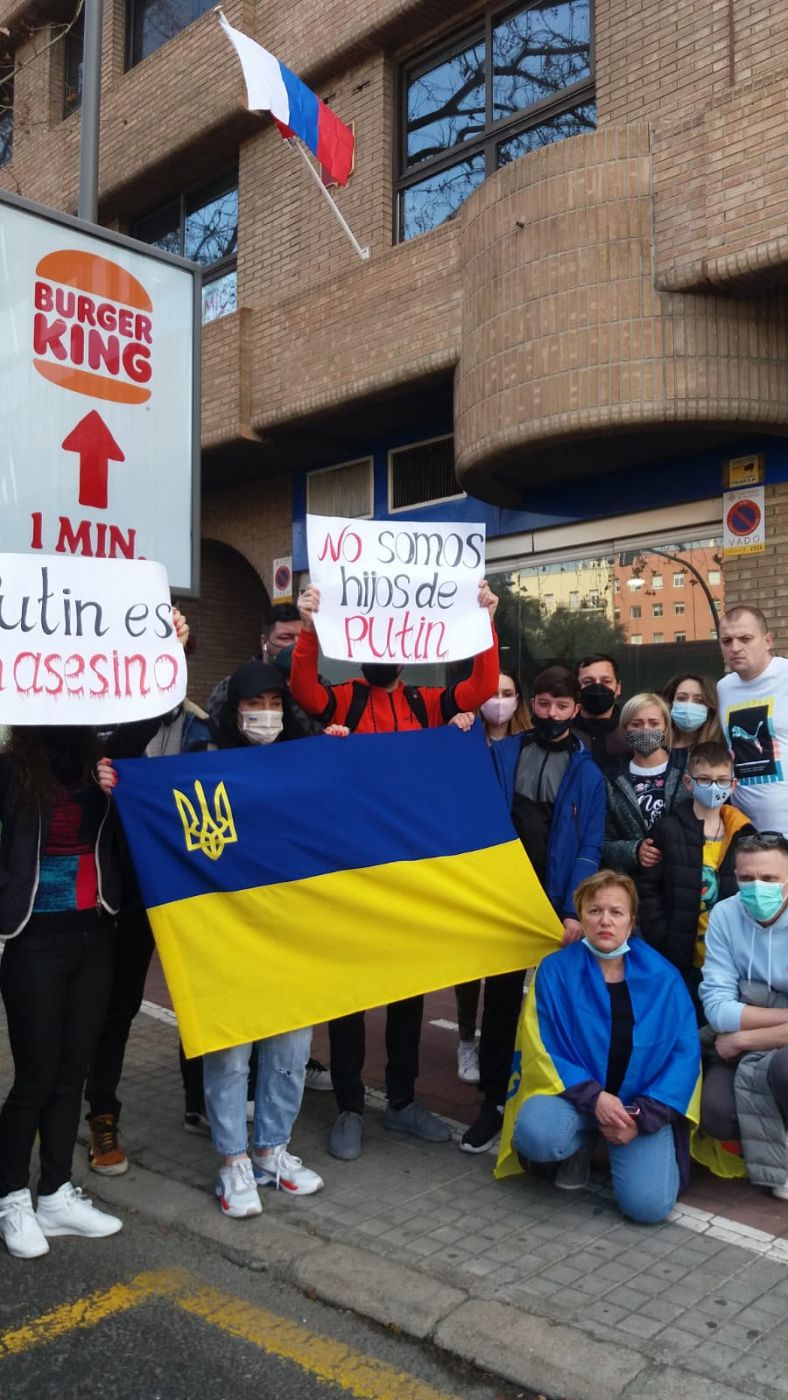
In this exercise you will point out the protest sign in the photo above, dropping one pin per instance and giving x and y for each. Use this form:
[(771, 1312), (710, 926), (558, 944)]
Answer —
[(399, 591), (86, 641)]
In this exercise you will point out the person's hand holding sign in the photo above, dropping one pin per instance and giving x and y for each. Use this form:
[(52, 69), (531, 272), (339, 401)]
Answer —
[(487, 599), (308, 605)]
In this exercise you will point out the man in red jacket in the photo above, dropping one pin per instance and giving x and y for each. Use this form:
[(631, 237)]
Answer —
[(381, 704)]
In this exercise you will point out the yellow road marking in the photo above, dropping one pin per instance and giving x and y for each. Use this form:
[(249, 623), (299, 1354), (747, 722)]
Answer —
[(86, 1312), (328, 1360)]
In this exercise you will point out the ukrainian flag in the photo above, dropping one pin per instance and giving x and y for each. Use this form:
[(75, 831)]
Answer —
[(292, 884), (563, 1038)]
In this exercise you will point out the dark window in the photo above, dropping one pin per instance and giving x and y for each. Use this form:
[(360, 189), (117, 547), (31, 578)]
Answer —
[(152, 22), (201, 224), (72, 65), (422, 473), (521, 78), (6, 112)]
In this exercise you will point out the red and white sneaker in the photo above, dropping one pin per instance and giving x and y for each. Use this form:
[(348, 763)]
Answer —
[(237, 1190), (277, 1167)]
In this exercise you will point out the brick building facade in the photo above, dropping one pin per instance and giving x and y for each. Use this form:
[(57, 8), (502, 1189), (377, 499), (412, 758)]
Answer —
[(589, 335)]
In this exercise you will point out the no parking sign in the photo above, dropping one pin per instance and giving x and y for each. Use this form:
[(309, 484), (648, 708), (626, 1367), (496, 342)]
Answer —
[(743, 522)]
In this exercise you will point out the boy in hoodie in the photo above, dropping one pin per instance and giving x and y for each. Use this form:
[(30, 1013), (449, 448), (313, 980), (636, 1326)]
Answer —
[(697, 842), (745, 996), (556, 795)]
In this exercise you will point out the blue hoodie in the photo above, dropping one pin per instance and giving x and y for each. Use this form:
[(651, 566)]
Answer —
[(737, 950), (577, 828)]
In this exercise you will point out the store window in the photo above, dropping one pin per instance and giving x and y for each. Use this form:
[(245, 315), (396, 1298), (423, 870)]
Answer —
[(520, 78), (583, 613), (203, 225), (152, 23), (345, 490), (6, 113), (73, 46)]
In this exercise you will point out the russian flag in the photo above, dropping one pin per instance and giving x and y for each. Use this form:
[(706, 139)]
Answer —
[(297, 111)]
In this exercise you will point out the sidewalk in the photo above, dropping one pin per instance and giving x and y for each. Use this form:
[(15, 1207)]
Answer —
[(555, 1292)]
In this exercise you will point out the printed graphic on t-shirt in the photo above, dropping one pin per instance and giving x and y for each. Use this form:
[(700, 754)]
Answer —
[(709, 888), (650, 794), (756, 751)]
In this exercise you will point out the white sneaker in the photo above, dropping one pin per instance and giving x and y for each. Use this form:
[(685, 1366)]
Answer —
[(69, 1212), (781, 1192), (317, 1076), (237, 1190), (277, 1167), (19, 1228), (468, 1062)]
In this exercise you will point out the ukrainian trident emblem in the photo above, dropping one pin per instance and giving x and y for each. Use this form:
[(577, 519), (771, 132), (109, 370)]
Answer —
[(205, 831)]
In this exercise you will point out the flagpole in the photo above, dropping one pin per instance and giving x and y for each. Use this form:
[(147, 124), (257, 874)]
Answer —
[(295, 144)]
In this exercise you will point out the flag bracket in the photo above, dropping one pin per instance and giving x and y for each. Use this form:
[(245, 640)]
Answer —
[(295, 145)]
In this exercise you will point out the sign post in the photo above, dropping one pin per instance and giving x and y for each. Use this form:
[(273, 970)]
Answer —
[(99, 415)]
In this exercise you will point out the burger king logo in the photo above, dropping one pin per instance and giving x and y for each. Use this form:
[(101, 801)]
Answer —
[(92, 327)]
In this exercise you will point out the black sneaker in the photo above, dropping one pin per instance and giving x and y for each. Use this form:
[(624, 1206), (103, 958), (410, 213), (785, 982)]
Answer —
[(482, 1134)]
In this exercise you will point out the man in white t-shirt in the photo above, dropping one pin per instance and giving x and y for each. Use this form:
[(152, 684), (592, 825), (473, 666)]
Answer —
[(753, 702)]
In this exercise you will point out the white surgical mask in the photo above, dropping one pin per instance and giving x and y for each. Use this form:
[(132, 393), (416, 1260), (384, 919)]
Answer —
[(261, 726)]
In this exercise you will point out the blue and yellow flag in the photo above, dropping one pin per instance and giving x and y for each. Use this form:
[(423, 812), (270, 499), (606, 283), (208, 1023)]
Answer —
[(563, 1038), (292, 884)]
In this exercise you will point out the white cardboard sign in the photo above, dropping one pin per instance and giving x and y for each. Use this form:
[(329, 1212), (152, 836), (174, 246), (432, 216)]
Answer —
[(86, 641), (400, 591)]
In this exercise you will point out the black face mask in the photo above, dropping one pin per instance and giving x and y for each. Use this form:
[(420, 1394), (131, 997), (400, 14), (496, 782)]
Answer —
[(550, 729), (597, 699), (380, 675)]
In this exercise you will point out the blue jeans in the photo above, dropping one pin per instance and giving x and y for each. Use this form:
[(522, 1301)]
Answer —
[(645, 1173), (278, 1092)]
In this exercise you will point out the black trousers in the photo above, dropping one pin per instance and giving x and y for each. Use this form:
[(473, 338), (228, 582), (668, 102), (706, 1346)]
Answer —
[(718, 1102), (503, 996), (134, 952), (55, 981), (347, 1038), (467, 994)]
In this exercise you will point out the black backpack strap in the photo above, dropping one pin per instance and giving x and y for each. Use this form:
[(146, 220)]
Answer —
[(449, 706), (357, 706), (326, 715), (417, 704)]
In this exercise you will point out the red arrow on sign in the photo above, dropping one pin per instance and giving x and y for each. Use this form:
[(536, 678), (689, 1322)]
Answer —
[(96, 446)]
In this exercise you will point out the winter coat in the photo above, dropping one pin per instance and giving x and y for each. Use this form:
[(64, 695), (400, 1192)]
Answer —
[(577, 826), (605, 739), (670, 893), (761, 1128), (626, 827)]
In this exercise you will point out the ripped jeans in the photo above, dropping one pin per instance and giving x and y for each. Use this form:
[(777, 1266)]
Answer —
[(280, 1087)]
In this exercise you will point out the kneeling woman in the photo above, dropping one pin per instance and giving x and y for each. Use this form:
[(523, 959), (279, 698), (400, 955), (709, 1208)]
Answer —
[(610, 1046)]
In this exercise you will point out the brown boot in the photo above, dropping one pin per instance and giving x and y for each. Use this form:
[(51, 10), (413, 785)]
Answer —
[(105, 1154)]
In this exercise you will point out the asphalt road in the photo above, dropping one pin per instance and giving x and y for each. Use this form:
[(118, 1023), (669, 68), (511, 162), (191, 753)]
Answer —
[(148, 1315)]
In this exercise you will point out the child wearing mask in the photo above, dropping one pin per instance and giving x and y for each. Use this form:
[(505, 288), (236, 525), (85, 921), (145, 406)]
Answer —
[(556, 795), (698, 843)]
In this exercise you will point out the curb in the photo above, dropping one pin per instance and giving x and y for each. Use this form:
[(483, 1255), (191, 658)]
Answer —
[(550, 1358)]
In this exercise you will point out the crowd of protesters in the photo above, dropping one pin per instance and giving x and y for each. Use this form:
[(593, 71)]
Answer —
[(657, 829)]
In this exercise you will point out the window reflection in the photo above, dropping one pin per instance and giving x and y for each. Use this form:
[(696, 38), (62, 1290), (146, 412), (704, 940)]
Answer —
[(570, 608), (202, 226), (445, 105), (572, 123), (537, 52), (153, 22), (435, 199)]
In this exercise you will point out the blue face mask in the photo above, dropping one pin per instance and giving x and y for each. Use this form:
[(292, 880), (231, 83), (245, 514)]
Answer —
[(762, 900), (605, 957), (688, 716), (711, 794)]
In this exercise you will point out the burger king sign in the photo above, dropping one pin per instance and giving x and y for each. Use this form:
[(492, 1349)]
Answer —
[(99, 438)]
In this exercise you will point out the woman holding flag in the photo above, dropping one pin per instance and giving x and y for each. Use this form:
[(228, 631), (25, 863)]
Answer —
[(608, 1046)]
